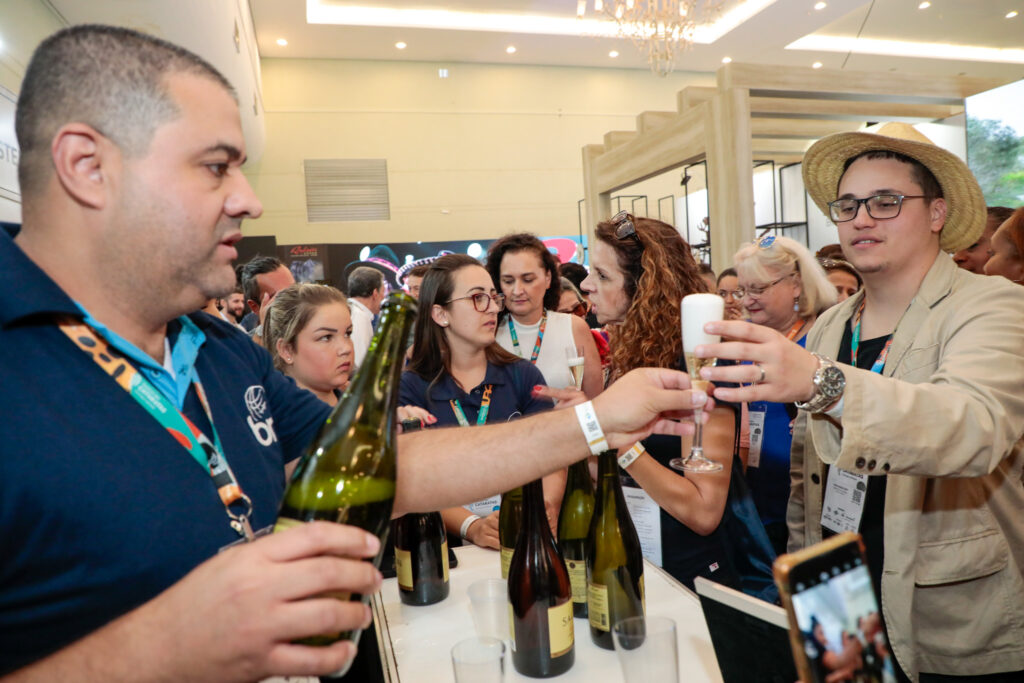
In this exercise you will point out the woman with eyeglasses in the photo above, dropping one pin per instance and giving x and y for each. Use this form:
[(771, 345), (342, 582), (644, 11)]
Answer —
[(728, 283), (461, 376), (782, 287), (641, 269), (531, 326)]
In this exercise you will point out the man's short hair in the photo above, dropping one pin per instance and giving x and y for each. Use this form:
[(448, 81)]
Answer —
[(419, 271), (113, 79), (919, 173), (259, 265), (364, 281)]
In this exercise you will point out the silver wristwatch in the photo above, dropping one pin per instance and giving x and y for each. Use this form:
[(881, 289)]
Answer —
[(829, 383)]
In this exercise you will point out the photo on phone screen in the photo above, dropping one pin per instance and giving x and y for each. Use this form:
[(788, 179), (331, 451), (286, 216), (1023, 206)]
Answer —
[(838, 619)]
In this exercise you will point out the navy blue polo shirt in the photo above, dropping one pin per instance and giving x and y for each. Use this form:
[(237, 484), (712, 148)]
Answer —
[(511, 396), (100, 509)]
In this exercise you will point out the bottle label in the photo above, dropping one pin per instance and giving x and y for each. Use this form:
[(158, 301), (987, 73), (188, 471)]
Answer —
[(597, 606), (283, 523), (578, 579), (643, 595), (506, 559), (512, 626), (560, 629), (444, 559), (403, 568)]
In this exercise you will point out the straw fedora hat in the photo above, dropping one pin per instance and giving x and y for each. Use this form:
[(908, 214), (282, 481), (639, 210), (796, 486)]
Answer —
[(965, 204)]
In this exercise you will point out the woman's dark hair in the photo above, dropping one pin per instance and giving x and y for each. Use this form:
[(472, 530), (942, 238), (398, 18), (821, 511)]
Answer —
[(659, 271), (524, 241), (728, 272), (431, 356)]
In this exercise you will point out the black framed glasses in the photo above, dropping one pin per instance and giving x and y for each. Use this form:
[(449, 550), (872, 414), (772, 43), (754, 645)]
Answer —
[(482, 301), (879, 206), (757, 291), (624, 228)]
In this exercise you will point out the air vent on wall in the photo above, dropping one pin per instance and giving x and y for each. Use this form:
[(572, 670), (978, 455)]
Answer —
[(346, 190)]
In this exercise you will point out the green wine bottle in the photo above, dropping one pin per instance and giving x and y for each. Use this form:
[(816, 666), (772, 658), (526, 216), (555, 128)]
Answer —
[(540, 595), (421, 558), (573, 529), (347, 474), (509, 520), (615, 563)]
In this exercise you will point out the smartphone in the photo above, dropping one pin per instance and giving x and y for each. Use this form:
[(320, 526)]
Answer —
[(835, 626)]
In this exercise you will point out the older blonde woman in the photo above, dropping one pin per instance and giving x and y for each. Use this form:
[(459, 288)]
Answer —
[(782, 286)]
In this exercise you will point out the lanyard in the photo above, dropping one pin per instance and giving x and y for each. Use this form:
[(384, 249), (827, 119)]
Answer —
[(798, 326), (879, 364), (210, 456), (540, 337), (481, 417)]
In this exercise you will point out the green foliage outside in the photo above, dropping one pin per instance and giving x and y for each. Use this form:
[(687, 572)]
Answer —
[(996, 155)]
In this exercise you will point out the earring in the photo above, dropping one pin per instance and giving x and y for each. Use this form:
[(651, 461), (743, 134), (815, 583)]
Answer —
[(288, 360), (796, 304)]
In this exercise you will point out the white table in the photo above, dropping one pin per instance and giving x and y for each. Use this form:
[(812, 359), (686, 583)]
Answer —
[(416, 642)]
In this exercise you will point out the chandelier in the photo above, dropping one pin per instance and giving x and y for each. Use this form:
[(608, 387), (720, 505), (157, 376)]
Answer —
[(661, 28)]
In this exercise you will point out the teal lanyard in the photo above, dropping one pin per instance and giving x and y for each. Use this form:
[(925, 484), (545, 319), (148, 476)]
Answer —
[(536, 345), (481, 417), (879, 364)]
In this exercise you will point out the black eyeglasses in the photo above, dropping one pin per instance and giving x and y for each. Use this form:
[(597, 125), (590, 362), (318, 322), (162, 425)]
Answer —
[(482, 301), (624, 228), (879, 206)]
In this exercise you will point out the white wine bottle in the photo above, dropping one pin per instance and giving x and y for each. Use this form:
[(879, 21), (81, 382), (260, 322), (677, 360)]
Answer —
[(347, 474), (509, 520), (540, 595), (573, 528), (615, 563)]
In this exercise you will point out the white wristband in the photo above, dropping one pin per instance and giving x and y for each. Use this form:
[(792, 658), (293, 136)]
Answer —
[(465, 524), (591, 428), (630, 456)]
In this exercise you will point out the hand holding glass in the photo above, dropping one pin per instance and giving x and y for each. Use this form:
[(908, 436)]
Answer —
[(698, 309), (574, 357)]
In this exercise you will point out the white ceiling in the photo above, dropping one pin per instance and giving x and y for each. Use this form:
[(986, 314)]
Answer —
[(761, 39)]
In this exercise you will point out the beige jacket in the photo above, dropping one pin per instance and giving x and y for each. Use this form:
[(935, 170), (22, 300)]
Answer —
[(945, 422)]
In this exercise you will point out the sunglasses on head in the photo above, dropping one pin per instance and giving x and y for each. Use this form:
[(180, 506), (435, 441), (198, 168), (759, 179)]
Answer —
[(624, 228)]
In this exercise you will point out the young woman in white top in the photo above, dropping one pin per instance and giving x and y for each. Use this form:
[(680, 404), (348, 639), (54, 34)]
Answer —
[(531, 326)]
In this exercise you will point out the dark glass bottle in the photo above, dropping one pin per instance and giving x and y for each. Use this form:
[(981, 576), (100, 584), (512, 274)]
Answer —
[(573, 528), (509, 520), (540, 595), (347, 474), (421, 558), (615, 563)]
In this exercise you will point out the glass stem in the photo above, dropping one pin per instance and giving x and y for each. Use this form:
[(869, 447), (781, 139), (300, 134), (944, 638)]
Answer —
[(697, 450)]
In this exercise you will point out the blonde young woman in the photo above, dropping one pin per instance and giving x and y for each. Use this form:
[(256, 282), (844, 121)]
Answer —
[(783, 287)]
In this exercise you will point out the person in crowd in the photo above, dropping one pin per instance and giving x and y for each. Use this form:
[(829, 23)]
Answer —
[(460, 376), (232, 308), (261, 278), (132, 201), (708, 275), (531, 326), (975, 256), (576, 274), (414, 278), (641, 268), (1008, 249), (573, 303), (727, 285), (843, 277), (308, 331), (783, 288), (366, 292), (830, 251), (922, 405)]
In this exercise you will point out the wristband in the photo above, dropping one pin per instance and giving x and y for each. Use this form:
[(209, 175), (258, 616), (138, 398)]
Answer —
[(591, 428), (465, 524), (630, 456)]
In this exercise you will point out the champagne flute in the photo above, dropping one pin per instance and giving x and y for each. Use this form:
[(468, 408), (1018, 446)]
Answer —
[(574, 358), (698, 309)]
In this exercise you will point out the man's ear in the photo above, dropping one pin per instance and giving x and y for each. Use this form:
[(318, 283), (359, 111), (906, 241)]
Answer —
[(253, 306), (84, 163)]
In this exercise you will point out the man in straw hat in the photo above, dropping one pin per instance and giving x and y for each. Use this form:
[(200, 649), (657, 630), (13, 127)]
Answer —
[(914, 394)]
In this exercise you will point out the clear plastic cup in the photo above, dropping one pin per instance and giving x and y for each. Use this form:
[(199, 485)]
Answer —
[(647, 650), (479, 660), (488, 599)]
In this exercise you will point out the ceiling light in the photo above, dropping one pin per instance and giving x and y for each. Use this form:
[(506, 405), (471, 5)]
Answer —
[(613, 54), (816, 65), (924, 5), (282, 42), (400, 45), (726, 60), (1011, 14), (511, 49), (905, 48), (820, 5)]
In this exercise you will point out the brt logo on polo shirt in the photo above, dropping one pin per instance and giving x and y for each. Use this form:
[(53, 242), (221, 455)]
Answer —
[(262, 428)]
